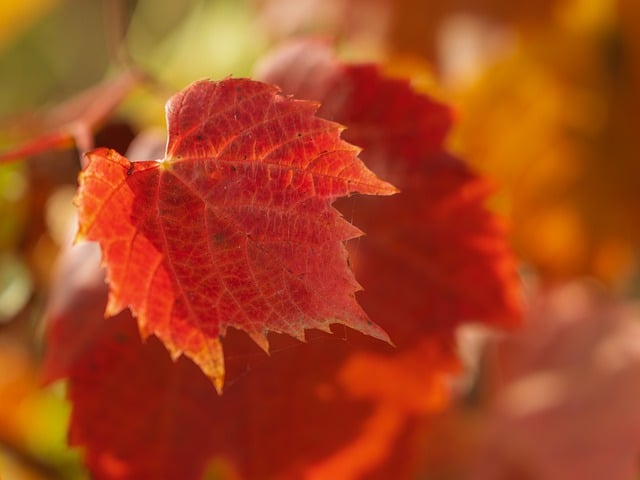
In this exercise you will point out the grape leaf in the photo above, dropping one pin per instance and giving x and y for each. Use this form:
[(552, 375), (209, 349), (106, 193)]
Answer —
[(437, 231), (105, 359), (234, 227), (362, 402)]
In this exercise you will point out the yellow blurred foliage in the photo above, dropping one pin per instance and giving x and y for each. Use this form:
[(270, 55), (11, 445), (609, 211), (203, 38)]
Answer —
[(552, 123), (546, 91), (415, 25), (17, 16)]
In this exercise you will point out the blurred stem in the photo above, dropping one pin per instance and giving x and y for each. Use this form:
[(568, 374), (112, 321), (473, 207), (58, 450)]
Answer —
[(117, 15), (75, 120)]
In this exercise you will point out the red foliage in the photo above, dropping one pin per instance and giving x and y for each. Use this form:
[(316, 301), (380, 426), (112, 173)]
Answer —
[(234, 227), (433, 256), (338, 406), (331, 408)]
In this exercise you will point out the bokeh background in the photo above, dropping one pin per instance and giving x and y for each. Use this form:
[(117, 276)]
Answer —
[(546, 94)]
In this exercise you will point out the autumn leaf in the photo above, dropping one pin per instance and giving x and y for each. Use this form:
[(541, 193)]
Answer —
[(234, 227), (99, 357), (315, 409), (433, 255)]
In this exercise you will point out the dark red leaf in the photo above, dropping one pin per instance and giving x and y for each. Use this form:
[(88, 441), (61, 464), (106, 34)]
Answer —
[(433, 255), (335, 406)]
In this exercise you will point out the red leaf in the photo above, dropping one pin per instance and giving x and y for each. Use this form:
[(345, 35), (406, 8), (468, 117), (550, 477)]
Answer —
[(234, 227), (152, 404), (433, 256), (315, 409)]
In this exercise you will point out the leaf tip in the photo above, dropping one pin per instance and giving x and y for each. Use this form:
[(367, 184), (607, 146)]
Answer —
[(218, 384), (365, 325), (376, 331), (261, 340), (210, 358), (79, 237), (387, 188), (114, 306)]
